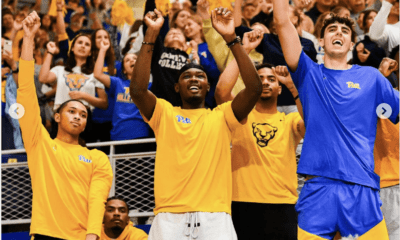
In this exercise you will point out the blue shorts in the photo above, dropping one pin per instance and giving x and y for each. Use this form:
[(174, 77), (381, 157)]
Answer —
[(326, 206)]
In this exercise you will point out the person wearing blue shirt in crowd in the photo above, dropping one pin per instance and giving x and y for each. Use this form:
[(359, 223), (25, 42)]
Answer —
[(127, 123), (340, 104)]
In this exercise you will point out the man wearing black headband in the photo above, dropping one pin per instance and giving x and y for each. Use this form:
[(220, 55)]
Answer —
[(193, 179)]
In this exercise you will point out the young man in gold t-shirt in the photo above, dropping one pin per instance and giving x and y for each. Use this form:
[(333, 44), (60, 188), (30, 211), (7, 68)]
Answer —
[(70, 183), (264, 158), (193, 178)]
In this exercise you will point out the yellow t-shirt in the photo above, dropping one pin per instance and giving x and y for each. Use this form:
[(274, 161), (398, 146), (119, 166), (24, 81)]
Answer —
[(386, 152), (70, 183), (193, 160), (129, 233), (3, 91), (264, 158)]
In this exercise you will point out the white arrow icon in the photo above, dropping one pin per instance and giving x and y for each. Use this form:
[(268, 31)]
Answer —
[(16, 111), (384, 111)]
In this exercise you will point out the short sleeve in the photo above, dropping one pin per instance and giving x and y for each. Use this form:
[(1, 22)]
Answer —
[(161, 107), (388, 95), (57, 70), (230, 118), (305, 63), (98, 84)]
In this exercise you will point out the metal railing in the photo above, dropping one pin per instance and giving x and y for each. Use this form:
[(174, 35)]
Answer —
[(133, 179)]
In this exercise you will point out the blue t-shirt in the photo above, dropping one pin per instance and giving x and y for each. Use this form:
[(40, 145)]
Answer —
[(126, 121), (100, 115), (340, 117)]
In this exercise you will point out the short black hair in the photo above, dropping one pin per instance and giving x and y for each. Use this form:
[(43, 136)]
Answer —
[(120, 198), (64, 104), (393, 53), (264, 65), (346, 21), (189, 66)]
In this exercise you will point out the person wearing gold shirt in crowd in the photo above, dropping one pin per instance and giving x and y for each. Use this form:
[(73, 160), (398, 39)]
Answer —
[(116, 224), (192, 177), (264, 157), (70, 183)]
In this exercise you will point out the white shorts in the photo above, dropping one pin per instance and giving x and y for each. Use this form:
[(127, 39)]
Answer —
[(390, 197), (192, 226)]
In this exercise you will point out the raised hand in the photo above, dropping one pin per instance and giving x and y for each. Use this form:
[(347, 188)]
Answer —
[(306, 2), (283, 76), (362, 52), (223, 23), (104, 45), (31, 25), (154, 20), (76, 95), (60, 4), (52, 48), (388, 66), (8, 58), (203, 9), (252, 39)]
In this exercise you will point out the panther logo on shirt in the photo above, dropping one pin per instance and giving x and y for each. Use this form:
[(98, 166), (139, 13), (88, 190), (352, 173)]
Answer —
[(75, 81), (263, 132)]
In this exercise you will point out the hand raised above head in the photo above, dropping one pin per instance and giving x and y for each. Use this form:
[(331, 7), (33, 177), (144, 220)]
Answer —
[(154, 20), (388, 66), (223, 23), (31, 24), (52, 48), (252, 39)]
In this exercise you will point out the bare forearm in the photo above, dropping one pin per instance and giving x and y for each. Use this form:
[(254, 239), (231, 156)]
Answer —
[(292, 88), (226, 82), (60, 22), (98, 70), (45, 70), (27, 49), (95, 101), (51, 93), (237, 13), (248, 72), (141, 72)]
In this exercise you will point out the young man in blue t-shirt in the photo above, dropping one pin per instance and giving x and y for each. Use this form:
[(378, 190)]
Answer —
[(340, 102)]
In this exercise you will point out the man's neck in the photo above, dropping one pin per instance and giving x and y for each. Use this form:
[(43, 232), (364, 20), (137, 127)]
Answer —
[(339, 63), (113, 233), (322, 8), (267, 106), (392, 19), (193, 105), (67, 138)]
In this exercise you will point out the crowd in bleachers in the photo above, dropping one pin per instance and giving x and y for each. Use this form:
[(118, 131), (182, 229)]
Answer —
[(80, 54)]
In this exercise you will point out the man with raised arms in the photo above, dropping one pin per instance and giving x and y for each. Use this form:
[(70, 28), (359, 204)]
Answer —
[(340, 102), (193, 179)]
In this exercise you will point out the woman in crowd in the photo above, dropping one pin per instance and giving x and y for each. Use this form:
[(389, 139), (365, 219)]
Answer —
[(127, 123), (75, 80)]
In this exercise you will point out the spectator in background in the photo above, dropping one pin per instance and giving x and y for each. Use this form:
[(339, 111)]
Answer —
[(179, 19), (385, 30), (386, 156), (129, 43), (341, 11), (116, 223), (48, 25), (320, 6), (72, 6), (127, 123), (317, 33), (76, 25), (75, 80), (367, 52), (356, 7), (169, 56), (194, 32), (7, 22), (97, 14), (248, 12), (70, 183)]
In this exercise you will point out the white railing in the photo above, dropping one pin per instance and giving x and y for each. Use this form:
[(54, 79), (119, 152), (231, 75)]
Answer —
[(133, 180)]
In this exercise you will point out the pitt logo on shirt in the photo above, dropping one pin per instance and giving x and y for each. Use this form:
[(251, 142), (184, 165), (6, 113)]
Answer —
[(183, 120), (353, 85), (83, 159)]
